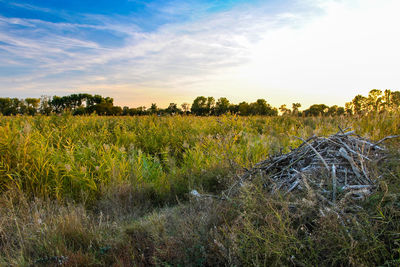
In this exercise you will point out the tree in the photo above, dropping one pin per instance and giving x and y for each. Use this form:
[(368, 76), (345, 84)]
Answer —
[(75, 101), (359, 104), (125, 111), (45, 105), (349, 108), (173, 109), (374, 100), (284, 110), (387, 99), (261, 107), (391, 100), (295, 108), (32, 105), (316, 110), (57, 104), (141, 110), (116, 111), (234, 109), (12, 106), (103, 108), (210, 105), (340, 111), (244, 109), (222, 106), (185, 107), (332, 110), (199, 106), (5, 105), (335, 111), (153, 109), (395, 99)]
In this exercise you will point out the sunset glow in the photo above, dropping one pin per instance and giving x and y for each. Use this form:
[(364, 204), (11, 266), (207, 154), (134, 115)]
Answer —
[(143, 52)]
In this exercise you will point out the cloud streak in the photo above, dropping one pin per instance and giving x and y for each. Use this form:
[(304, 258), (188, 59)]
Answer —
[(301, 52)]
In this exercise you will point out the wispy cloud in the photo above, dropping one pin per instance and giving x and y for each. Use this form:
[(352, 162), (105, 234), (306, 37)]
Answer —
[(29, 7), (175, 55), (244, 53)]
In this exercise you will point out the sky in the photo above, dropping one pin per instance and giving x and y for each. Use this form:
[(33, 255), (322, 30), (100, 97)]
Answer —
[(161, 51)]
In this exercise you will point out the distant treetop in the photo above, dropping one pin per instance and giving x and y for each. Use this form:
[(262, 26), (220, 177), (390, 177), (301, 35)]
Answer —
[(85, 104)]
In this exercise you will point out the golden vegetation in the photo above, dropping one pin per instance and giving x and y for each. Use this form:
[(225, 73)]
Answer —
[(94, 190)]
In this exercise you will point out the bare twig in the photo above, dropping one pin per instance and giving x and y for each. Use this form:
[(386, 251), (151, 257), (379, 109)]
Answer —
[(344, 154), (334, 183), (316, 152), (356, 187), (386, 138)]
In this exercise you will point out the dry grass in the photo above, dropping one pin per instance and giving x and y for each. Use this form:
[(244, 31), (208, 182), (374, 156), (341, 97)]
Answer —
[(97, 191)]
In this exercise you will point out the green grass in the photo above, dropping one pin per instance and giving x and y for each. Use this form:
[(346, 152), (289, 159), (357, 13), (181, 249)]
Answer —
[(114, 190)]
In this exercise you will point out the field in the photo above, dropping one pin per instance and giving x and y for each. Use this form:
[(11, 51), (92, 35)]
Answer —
[(95, 191)]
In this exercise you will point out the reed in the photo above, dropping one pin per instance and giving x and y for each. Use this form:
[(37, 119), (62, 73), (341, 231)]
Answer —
[(79, 187)]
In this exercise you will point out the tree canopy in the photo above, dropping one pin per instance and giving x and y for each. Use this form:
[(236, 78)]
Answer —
[(84, 104)]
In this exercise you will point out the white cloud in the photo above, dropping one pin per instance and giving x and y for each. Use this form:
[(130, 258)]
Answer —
[(326, 51)]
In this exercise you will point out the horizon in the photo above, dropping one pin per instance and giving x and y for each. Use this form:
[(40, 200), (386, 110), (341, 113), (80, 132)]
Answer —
[(143, 52)]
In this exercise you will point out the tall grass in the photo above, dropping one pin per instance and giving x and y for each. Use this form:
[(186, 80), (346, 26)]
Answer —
[(76, 186), (80, 158)]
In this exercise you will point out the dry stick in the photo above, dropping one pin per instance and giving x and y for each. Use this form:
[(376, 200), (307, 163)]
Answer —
[(348, 148), (364, 170), (344, 154), (350, 133), (386, 138), (334, 183), (342, 131), (316, 152), (356, 187), (290, 165), (369, 143), (294, 185), (305, 141)]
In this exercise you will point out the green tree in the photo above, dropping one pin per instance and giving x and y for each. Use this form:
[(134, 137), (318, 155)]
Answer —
[(234, 109), (316, 110), (185, 107), (153, 109), (5, 104), (210, 105), (349, 108), (32, 105), (115, 111), (222, 106), (45, 105), (395, 99), (284, 110), (199, 106), (295, 108), (359, 104), (173, 109), (261, 107), (244, 108), (374, 100)]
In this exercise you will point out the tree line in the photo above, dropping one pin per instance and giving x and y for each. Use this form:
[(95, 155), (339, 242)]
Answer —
[(376, 101), (85, 104)]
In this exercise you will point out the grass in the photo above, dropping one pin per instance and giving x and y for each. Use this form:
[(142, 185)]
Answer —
[(103, 191)]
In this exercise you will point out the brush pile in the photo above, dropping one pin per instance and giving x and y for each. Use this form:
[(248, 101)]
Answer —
[(332, 169)]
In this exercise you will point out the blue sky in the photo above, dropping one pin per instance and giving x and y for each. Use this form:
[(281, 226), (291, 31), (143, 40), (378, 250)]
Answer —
[(139, 52)]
